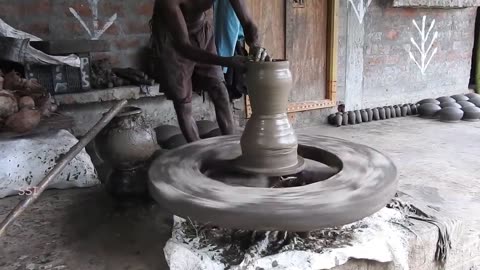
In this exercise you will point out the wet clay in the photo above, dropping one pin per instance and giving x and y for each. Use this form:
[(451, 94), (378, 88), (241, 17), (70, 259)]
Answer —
[(269, 143)]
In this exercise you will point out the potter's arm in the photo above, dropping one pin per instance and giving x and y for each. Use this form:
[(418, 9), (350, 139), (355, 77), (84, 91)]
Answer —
[(178, 28)]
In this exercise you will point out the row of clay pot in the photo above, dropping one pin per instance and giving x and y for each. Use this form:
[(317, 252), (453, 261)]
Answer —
[(451, 109), (368, 115), (171, 137)]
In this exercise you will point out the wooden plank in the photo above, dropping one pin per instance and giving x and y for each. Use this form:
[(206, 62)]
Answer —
[(269, 15)]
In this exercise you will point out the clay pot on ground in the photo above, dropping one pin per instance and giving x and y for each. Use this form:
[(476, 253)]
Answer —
[(382, 113), (429, 100), (471, 114), (370, 114), (358, 117), (450, 114), (205, 127), (214, 133), (460, 98), (174, 142), (352, 118), (398, 110), (165, 132), (451, 104), (364, 116), (414, 109), (331, 119), (475, 101), (405, 109), (127, 140), (338, 119), (466, 104), (472, 95), (388, 113), (376, 114), (393, 111), (446, 99), (345, 119), (428, 110)]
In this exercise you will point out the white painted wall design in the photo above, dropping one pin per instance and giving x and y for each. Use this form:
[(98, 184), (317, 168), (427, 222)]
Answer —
[(424, 45), (96, 32), (360, 8)]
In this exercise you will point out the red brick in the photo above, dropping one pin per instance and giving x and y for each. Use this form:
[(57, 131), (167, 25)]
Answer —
[(108, 8)]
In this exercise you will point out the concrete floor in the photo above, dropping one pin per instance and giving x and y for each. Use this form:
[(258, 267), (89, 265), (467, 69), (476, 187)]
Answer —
[(438, 163)]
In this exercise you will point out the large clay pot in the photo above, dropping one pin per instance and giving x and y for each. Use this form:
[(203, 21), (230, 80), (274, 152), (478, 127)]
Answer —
[(127, 141), (269, 143)]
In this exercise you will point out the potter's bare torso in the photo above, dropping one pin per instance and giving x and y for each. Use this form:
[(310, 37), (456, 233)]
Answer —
[(192, 10)]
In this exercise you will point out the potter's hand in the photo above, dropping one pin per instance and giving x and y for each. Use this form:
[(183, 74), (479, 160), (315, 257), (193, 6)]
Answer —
[(238, 62), (259, 54)]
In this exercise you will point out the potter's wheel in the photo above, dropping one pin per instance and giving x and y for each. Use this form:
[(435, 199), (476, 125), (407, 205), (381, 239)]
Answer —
[(198, 181)]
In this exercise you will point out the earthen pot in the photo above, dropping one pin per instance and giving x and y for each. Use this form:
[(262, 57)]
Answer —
[(376, 114), (460, 98), (405, 109), (414, 109), (388, 113), (165, 132), (465, 104), (382, 113), (331, 119), (471, 114), (338, 119), (369, 114), (450, 114), (429, 100), (269, 143), (174, 142), (446, 99), (205, 126), (451, 104), (393, 111), (345, 119), (398, 110), (352, 118), (364, 116), (214, 133), (409, 109), (428, 110), (127, 140), (358, 116), (472, 95), (475, 101)]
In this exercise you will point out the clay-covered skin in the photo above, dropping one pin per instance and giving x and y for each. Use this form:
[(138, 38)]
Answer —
[(269, 143)]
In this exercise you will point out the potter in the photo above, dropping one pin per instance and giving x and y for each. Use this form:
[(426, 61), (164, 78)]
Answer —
[(185, 58)]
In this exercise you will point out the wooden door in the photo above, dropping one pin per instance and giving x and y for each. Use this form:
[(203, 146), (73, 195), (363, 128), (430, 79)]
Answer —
[(301, 31)]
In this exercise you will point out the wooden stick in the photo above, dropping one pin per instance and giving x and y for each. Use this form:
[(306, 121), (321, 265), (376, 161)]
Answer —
[(61, 164)]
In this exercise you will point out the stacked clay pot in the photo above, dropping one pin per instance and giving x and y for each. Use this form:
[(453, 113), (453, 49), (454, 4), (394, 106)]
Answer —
[(371, 114), (451, 109), (170, 137)]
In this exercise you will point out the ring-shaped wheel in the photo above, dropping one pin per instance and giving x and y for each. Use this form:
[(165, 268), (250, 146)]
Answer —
[(365, 183)]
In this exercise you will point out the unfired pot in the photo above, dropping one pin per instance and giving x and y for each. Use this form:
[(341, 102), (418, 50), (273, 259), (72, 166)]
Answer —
[(127, 140), (269, 143)]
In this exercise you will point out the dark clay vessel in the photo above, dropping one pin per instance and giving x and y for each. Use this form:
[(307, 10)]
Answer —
[(475, 101), (414, 109), (466, 104), (388, 113), (352, 118), (405, 109), (338, 119), (364, 116), (331, 119), (127, 140), (428, 110), (370, 114), (165, 132), (451, 104), (393, 111), (450, 114), (472, 95), (429, 100), (460, 98), (205, 127), (376, 114), (358, 116), (446, 99), (382, 113), (345, 119), (471, 114), (398, 110)]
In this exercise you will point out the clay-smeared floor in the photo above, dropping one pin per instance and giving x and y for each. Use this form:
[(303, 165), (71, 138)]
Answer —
[(85, 230)]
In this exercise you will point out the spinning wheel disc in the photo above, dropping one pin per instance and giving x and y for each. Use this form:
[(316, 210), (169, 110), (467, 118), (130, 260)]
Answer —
[(366, 181)]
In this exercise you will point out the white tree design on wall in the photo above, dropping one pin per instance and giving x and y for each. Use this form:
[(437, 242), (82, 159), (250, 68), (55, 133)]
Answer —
[(425, 55), (360, 9), (96, 31)]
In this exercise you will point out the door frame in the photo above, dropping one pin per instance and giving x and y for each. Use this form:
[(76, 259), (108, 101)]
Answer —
[(330, 100)]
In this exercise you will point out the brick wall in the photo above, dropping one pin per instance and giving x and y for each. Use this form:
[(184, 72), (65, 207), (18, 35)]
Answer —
[(51, 19)]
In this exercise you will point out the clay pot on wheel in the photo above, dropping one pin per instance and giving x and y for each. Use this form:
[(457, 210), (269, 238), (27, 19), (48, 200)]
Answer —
[(428, 110), (127, 140), (471, 114), (450, 114)]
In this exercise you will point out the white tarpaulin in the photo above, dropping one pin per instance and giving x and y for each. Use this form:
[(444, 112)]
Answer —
[(377, 238), (25, 162)]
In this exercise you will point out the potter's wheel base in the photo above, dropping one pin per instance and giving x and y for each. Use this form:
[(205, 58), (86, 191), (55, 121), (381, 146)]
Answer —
[(363, 182), (296, 168)]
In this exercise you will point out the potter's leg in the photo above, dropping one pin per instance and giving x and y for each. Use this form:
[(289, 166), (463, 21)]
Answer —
[(186, 122), (219, 96)]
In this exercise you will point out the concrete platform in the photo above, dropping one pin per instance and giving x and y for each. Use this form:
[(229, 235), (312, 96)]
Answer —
[(438, 164)]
